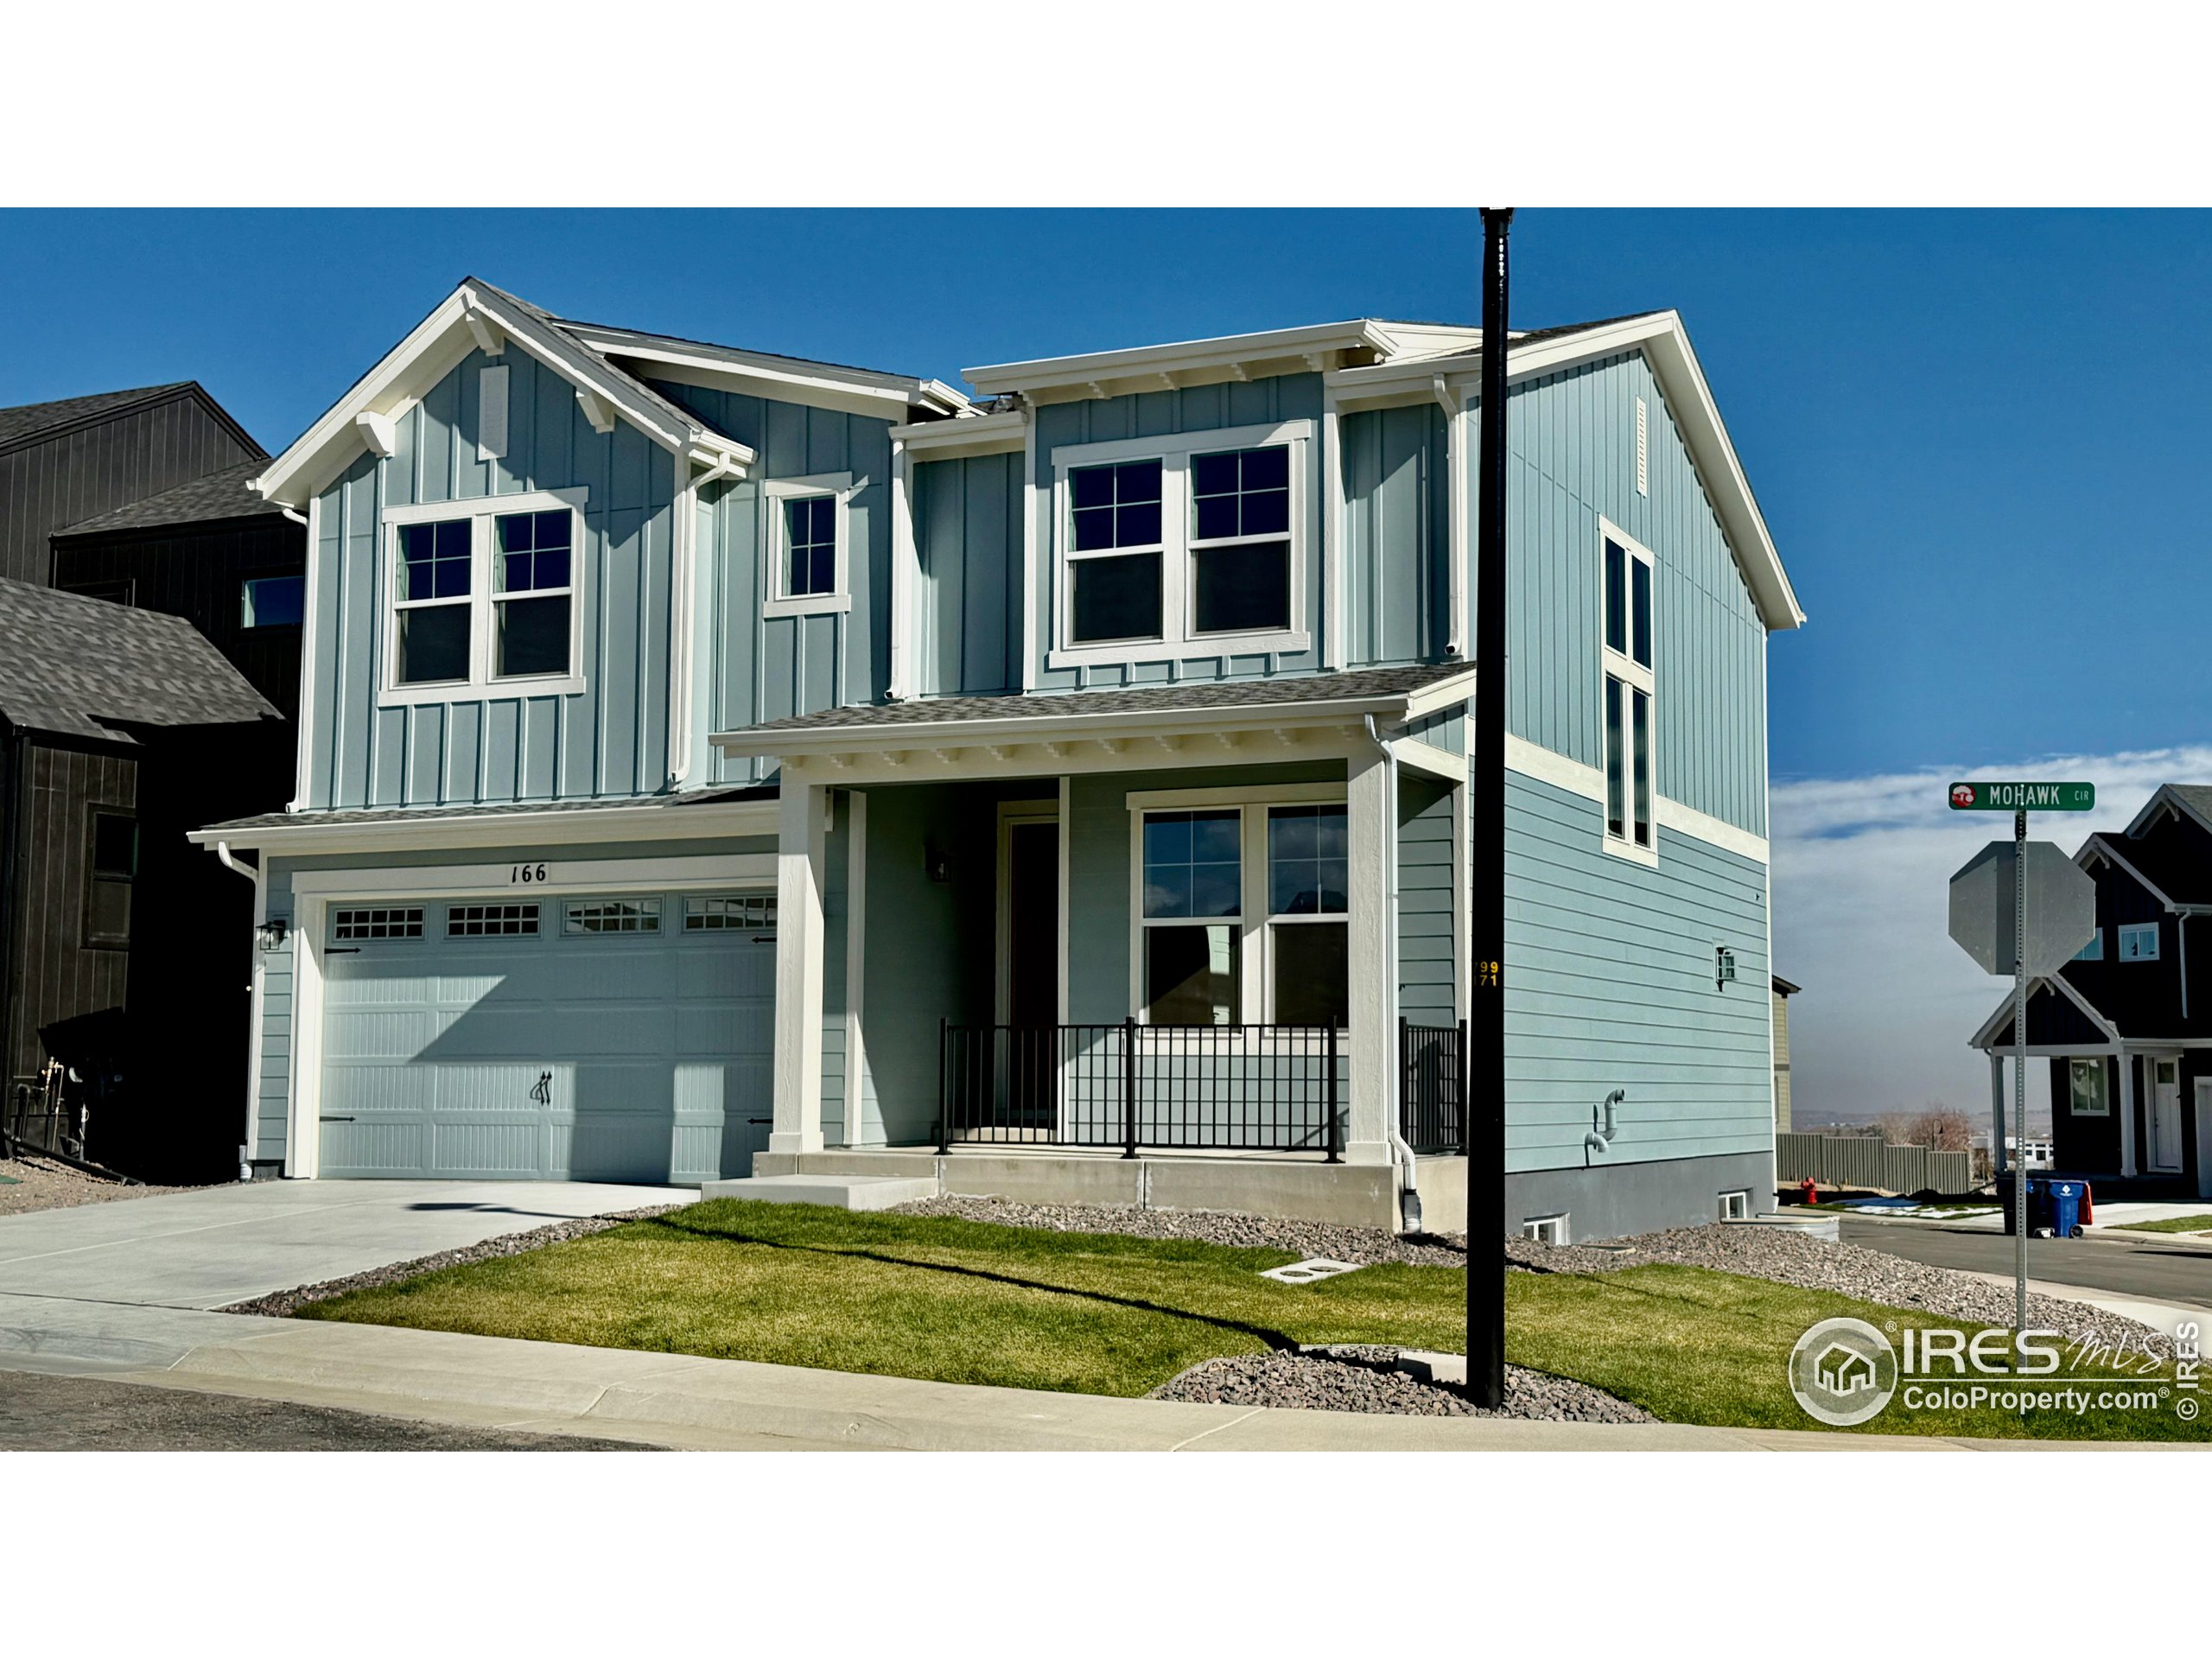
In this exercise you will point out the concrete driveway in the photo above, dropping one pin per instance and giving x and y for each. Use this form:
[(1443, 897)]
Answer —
[(225, 1245)]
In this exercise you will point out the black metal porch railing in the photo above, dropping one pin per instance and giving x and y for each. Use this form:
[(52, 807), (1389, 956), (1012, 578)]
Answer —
[(1432, 1086), (1240, 1088)]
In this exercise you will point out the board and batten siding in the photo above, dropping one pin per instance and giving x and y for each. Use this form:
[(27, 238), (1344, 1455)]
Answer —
[(611, 739), (1612, 985), (757, 668), (1572, 459), (1397, 535), (967, 546), (1426, 957), (1167, 414)]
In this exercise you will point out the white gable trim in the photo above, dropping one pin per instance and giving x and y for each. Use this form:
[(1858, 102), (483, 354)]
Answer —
[(426, 356), (1666, 346)]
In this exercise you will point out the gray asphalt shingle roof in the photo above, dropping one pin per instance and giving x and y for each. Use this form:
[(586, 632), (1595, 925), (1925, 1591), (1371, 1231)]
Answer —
[(422, 814), (1193, 696), (26, 420), (217, 496), (83, 667)]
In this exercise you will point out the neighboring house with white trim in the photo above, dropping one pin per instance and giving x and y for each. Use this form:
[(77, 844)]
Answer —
[(713, 761), (2127, 1026)]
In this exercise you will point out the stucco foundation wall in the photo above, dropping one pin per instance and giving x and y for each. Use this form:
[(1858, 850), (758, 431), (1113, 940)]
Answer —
[(1603, 1202)]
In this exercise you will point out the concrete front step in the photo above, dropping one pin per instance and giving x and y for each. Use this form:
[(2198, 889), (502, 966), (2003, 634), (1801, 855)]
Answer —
[(837, 1191)]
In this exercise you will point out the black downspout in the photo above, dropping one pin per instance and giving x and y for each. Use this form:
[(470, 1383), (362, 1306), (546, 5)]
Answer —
[(11, 803), (1486, 1024)]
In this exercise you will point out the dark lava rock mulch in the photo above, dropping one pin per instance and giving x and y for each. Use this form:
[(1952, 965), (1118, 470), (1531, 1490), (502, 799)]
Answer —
[(1358, 1379)]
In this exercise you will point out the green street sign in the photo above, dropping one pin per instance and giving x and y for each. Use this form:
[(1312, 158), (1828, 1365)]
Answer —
[(2023, 797)]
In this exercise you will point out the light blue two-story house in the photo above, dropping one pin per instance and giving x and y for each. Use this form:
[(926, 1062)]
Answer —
[(716, 763)]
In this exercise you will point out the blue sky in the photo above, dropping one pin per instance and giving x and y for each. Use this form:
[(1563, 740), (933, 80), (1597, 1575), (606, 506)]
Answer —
[(1979, 438)]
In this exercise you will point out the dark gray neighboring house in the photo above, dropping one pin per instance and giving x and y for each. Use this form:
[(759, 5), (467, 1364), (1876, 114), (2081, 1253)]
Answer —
[(120, 729), (68, 460)]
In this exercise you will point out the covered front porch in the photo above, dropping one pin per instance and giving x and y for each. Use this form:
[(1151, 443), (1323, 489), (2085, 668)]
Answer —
[(1217, 927)]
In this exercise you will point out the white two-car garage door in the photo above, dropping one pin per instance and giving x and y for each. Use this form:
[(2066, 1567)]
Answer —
[(615, 1039)]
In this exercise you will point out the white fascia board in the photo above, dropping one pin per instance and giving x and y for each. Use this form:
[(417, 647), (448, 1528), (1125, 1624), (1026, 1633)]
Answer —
[(1057, 728), (426, 356), (859, 391), (1188, 356), (2098, 846), (977, 435), (2161, 798), (1999, 1026), (309, 838), (1440, 694), (1664, 342)]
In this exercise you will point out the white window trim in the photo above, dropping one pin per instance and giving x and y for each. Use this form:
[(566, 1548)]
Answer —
[(2121, 932), (2105, 1088), (1547, 1230), (774, 492), (1622, 666), (481, 684), (1254, 922), (1736, 1205), (1176, 593)]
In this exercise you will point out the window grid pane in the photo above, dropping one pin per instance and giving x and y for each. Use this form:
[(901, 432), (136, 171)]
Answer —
[(1190, 976), (377, 922), (1643, 768), (1615, 761), (1240, 493), (1308, 866), (753, 913), (434, 560), (1615, 597), (1115, 506), (1640, 612), (810, 542), (534, 550), (1194, 864), (611, 916), (478, 921)]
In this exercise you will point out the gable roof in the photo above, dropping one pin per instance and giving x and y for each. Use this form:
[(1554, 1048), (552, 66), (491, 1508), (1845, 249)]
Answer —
[(81, 667), (28, 422), (441, 340), (1666, 346), (219, 496)]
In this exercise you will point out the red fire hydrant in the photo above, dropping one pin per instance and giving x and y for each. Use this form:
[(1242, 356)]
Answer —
[(1811, 1190)]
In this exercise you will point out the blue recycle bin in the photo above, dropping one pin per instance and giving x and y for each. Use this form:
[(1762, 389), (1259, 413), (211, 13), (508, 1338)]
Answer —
[(2054, 1205)]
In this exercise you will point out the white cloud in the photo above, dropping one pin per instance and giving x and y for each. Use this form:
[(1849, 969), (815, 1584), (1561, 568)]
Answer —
[(1861, 867)]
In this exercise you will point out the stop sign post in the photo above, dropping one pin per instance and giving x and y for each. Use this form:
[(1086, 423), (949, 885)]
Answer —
[(2037, 880)]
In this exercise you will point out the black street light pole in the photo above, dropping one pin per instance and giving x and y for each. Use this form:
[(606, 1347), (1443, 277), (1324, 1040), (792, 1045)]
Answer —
[(1486, 1023)]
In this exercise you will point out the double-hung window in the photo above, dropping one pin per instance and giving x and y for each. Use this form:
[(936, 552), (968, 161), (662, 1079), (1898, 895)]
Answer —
[(1629, 687), (809, 540), (1187, 544), (1243, 914), (2139, 941), (484, 598)]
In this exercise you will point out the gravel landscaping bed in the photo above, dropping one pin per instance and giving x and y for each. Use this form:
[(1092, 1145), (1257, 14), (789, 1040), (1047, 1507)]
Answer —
[(1364, 1245), (283, 1304), (1780, 1254), (36, 1183), (1359, 1379)]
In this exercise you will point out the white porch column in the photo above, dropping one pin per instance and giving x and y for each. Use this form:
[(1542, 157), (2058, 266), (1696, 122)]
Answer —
[(801, 824), (1996, 1111), (1372, 974), (2127, 1113)]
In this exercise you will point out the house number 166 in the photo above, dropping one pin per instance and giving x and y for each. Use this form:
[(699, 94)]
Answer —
[(518, 874)]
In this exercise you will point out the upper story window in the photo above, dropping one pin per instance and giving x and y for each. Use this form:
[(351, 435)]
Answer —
[(1630, 690), (809, 542), (110, 870), (2095, 950), (1182, 545), (272, 602), (484, 598), (2138, 941)]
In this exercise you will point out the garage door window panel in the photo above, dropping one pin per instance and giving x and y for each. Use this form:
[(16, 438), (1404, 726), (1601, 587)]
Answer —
[(585, 917), (376, 923), (491, 921)]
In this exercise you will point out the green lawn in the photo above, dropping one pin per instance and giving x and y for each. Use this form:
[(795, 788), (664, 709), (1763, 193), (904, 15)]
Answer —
[(2170, 1225), (966, 1301)]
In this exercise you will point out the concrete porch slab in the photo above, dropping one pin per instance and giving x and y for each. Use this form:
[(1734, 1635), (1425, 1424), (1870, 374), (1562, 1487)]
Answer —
[(836, 1191)]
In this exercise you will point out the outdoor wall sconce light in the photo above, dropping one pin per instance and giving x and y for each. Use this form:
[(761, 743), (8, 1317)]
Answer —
[(270, 935)]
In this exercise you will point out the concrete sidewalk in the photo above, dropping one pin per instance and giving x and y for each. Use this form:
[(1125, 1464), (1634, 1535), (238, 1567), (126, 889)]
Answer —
[(675, 1400)]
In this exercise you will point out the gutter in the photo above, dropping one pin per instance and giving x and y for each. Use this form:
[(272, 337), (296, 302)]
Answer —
[(253, 1016), (1409, 1166)]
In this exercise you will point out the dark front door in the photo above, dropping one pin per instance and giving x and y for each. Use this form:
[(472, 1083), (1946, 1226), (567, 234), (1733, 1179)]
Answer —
[(1032, 971)]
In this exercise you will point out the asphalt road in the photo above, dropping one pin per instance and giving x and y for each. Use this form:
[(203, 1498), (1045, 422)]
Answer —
[(2158, 1269), (39, 1412)]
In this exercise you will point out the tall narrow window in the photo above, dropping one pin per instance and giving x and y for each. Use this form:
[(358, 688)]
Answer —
[(1309, 893), (1193, 915), (810, 545), (110, 868), (1115, 550), (1628, 688), (432, 608), (534, 594), (1240, 541)]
